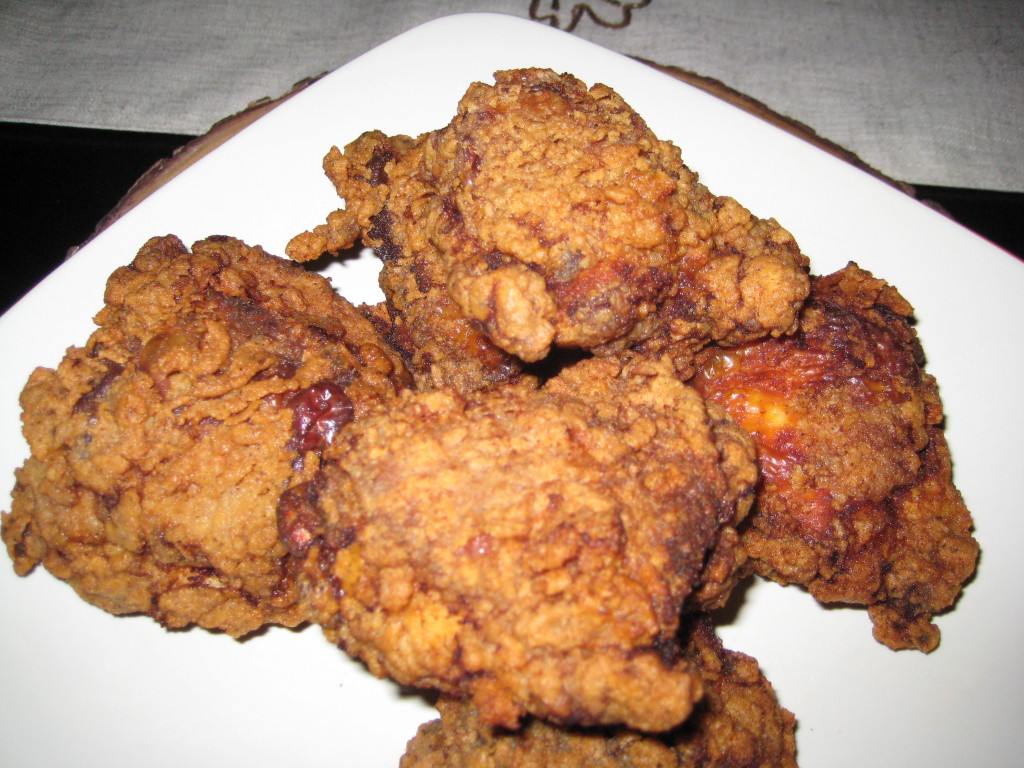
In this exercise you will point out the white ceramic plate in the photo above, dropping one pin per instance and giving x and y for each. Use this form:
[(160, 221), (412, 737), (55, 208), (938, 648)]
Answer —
[(80, 687)]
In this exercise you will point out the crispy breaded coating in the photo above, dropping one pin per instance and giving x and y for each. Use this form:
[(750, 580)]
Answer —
[(747, 281), (724, 563), (529, 548), (563, 219), (387, 185), (857, 501), (548, 214), (933, 551), (160, 448), (737, 724)]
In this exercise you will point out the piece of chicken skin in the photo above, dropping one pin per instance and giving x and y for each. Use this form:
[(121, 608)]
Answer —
[(856, 500)]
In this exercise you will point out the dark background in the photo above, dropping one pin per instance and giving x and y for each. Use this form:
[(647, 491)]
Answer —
[(60, 182)]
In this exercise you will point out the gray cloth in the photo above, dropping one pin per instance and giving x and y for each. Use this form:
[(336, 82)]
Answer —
[(926, 92)]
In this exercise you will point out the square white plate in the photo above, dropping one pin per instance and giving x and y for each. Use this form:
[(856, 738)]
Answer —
[(80, 687)]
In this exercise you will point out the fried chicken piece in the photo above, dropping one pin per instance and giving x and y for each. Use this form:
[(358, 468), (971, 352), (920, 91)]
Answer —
[(548, 214), (737, 724), (563, 218), (857, 501), (530, 548), (160, 448)]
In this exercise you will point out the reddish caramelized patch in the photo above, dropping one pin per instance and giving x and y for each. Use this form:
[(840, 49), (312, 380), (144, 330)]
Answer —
[(320, 411), (753, 383)]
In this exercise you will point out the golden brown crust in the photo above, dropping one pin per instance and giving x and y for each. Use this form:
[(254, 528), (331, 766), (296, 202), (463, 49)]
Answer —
[(857, 501), (933, 550), (564, 222), (723, 565), (548, 214), (529, 548), (392, 202), (160, 448), (738, 724), (748, 280)]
